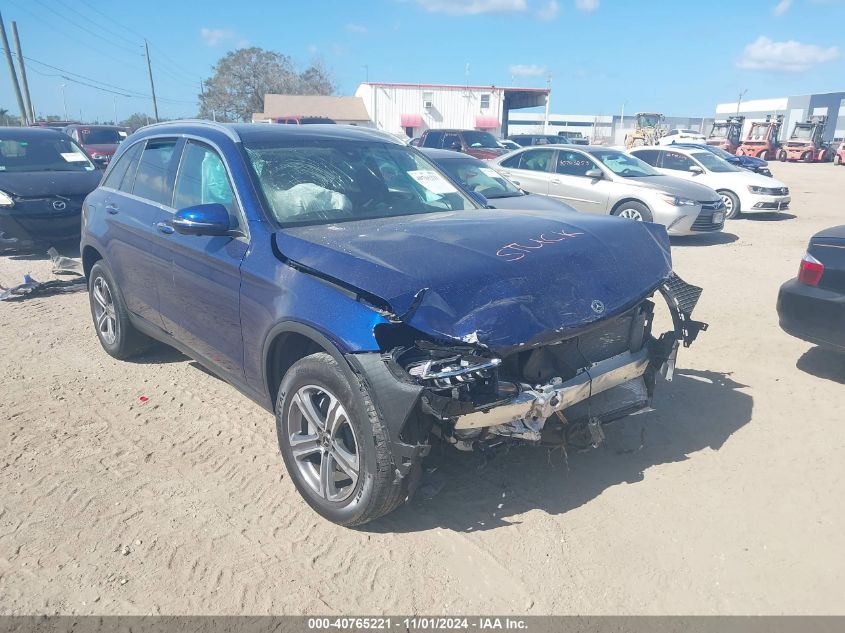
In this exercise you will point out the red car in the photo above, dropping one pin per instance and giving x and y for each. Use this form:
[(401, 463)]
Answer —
[(476, 143), (99, 141)]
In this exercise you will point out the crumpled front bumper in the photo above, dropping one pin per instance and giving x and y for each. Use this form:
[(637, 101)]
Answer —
[(543, 402)]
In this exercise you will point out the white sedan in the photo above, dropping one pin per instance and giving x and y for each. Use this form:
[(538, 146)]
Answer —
[(743, 191), (681, 136)]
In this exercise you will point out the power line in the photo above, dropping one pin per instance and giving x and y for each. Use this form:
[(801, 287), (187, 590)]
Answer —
[(177, 68), (67, 33), (71, 76), (101, 36)]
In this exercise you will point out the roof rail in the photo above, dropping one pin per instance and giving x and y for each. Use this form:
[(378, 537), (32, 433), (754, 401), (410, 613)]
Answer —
[(225, 129)]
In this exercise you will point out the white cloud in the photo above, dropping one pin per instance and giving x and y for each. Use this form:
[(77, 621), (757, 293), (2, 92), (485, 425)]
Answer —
[(356, 28), (587, 5), (781, 7), (788, 57), (472, 7), (526, 70), (213, 37), (549, 10)]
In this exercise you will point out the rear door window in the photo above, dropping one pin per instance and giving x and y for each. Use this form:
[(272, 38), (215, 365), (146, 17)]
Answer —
[(676, 161), (432, 139), (536, 159), (649, 156), (154, 178)]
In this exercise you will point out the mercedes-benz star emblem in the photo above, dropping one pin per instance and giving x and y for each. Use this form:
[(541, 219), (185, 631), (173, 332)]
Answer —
[(597, 306), (59, 205)]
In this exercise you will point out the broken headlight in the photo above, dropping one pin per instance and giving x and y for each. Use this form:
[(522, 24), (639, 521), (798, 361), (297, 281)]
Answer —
[(445, 368)]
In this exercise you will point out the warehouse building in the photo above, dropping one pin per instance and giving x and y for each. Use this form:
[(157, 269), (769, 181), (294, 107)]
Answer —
[(413, 108), (601, 129), (794, 110)]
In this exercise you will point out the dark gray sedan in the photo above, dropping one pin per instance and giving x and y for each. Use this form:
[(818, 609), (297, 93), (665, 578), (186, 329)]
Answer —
[(476, 175)]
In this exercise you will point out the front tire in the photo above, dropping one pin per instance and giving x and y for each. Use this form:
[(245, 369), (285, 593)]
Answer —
[(334, 443), (732, 208), (114, 329), (837, 160), (764, 155), (636, 211), (782, 156)]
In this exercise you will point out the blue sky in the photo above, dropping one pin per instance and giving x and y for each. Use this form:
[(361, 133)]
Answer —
[(677, 57)]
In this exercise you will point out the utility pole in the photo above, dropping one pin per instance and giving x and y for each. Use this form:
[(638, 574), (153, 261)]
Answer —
[(12, 74), (114, 120), (64, 101), (22, 66), (548, 103), (739, 101), (152, 85)]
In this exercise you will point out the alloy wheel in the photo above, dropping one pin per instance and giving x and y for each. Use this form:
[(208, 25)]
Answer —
[(104, 314), (323, 443), (729, 205), (631, 214)]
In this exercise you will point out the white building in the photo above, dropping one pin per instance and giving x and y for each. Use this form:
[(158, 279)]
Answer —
[(794, 109), (414, 108)]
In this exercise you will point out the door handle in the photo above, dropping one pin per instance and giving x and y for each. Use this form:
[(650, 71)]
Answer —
[(164, 227), (111, 208), (555, 181)]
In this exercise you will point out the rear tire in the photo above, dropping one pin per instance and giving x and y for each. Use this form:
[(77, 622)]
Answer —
[(782, 156), (732, 208), (334, 443), (764, 155), (837, 160), (636, 211), (114, 329)]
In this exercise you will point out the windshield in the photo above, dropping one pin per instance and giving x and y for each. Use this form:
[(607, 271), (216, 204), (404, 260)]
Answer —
[(317, 182), (43, 153), (623, 164), (802, 133), (103, 136), (720, 130), (713, 163), (648, 120), (759, 131), (480, 139), (478, 177)]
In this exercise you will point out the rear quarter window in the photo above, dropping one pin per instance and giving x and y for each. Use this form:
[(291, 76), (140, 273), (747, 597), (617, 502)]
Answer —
[(123, 170)]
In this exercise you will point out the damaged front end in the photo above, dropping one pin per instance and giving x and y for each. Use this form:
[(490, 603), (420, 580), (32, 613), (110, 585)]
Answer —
[(558, 393)]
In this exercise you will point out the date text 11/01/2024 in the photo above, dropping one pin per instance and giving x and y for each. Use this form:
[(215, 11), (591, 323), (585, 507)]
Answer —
[(418, 624)]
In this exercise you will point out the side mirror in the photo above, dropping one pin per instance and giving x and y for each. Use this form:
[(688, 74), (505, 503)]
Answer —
[(456, 147), (202, 219), (595, 173), (695, 169)]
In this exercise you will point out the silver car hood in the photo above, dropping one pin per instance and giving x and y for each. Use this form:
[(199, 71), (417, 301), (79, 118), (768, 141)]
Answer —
[(672, 185)]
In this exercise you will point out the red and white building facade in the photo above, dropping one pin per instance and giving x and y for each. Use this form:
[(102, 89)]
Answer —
[(413, 108)]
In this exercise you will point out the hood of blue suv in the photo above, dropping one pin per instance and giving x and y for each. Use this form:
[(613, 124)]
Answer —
[(502, 279)]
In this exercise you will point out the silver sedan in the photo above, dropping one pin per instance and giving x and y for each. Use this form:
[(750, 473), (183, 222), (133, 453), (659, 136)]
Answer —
[(602, 180)]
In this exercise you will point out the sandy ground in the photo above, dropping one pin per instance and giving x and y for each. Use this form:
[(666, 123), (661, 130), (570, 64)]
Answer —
[(181, 504)]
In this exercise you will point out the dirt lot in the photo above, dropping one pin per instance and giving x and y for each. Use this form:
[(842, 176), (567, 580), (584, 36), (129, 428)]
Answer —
[(181, 504)]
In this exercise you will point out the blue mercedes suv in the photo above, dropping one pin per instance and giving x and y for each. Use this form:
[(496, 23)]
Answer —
[(345, 283)]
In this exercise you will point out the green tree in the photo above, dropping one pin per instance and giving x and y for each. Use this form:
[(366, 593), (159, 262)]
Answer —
[(241, 79), (136, 120)]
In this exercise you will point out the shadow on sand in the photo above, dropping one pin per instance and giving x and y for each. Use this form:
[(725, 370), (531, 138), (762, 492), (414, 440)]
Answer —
[(698, 410), (823, 363)]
